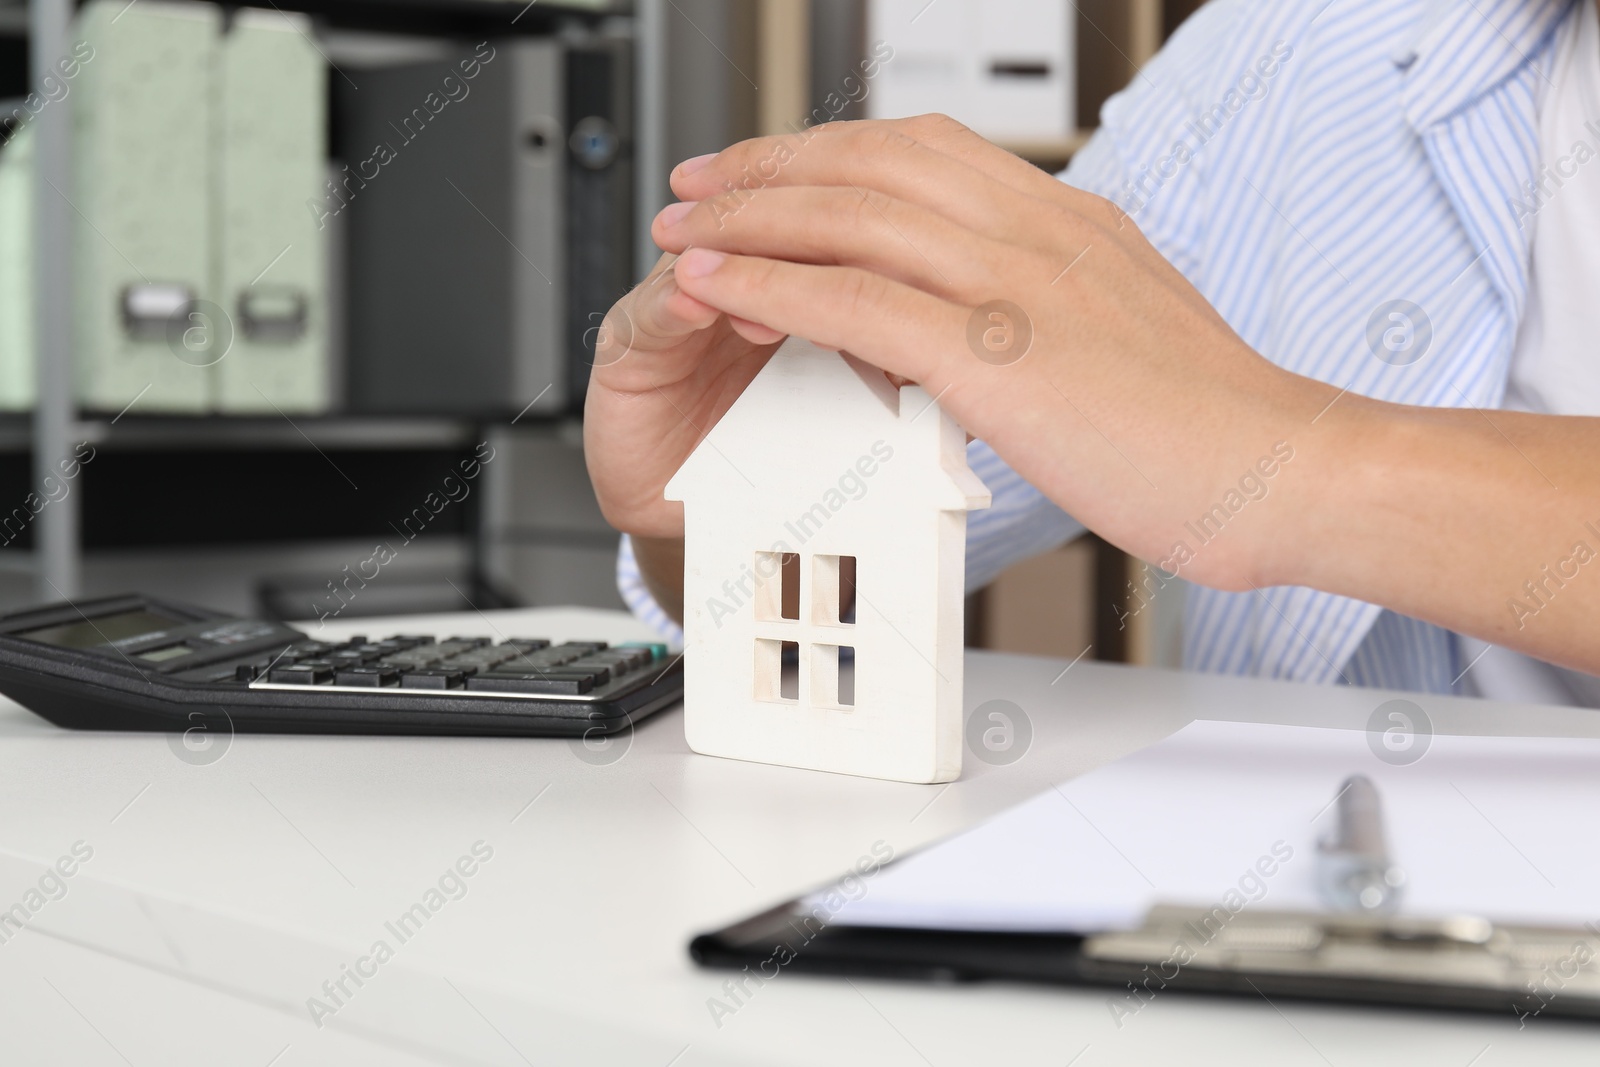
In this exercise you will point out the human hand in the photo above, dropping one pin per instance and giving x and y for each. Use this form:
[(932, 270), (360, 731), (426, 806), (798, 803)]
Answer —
[(666, 369), (1106, 380)]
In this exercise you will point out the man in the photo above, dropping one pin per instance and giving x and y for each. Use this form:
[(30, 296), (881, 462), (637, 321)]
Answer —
[(1351, 242)]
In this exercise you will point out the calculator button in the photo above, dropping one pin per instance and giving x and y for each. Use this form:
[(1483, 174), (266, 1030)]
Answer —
[(360, 639), (370, 677), (619, 660), (526, 644), (655, 648), (406, 660), (246, 672), (301, 674), (577, 647), (520, 664), (557, 655), (600, 671), (569, 682), (311, 648), (431, 679), (539, 661), (485, 656)]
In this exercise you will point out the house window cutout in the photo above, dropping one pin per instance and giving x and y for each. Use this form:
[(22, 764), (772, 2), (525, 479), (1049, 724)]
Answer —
[(789, 677), (777, 596), (847, 676), (833, 590), (847, 590), (833, 676), (777, 675)]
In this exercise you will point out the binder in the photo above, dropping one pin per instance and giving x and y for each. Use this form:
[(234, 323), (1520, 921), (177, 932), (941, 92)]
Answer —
[(16, 273), (1098, 882), (201, 273), (269, 277), (478, 137), (142, 113)]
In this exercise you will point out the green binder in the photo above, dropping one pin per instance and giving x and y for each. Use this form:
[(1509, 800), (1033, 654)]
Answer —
[(271, 260), (16, 284), (142, 112)]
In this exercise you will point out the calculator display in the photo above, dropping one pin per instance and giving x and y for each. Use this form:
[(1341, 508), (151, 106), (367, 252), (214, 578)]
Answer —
[(107, 629)]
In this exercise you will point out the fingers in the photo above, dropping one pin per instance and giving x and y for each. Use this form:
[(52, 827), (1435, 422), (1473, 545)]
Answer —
[(880, 154), (655, 314), (945, 134), (754, 332), (669, 314), (896, 327), (865, 156), (1108, 222), (848, 227)]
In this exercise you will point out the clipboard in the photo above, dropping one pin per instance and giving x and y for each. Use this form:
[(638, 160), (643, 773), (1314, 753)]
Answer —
[(1025, 897), (1454, 964)]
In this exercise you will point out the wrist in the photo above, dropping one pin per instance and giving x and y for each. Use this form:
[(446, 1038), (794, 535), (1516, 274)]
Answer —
[(660, 563), (1344, 461)]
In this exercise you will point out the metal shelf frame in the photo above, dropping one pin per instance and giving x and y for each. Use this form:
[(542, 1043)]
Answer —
[(59, 565)]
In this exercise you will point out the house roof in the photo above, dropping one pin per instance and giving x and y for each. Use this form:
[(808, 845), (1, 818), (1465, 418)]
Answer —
[(812, 413)]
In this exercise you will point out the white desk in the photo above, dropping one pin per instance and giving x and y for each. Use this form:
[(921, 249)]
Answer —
[(220, 896)]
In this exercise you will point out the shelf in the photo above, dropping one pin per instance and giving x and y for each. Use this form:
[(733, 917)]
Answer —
[(276, 431), (341, 432), (452, 17), (1047, 152), (446, 17)]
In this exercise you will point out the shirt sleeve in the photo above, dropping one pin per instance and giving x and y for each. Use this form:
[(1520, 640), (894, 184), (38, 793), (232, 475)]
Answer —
[(1021, 521), (637, 595)]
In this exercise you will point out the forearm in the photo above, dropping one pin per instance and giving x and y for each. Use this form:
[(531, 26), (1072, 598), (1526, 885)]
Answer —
[(1487, 523), (660, 561)]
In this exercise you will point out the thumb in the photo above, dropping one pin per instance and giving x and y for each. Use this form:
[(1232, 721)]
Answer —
[(655, 314)]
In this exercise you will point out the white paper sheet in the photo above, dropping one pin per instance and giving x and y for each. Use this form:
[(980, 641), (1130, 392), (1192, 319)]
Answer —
[(1498, 827)]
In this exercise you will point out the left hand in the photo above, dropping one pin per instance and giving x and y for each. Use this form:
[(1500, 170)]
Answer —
[(1135, 407)]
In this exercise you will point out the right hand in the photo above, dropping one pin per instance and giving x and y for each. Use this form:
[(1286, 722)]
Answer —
[(666, 368)]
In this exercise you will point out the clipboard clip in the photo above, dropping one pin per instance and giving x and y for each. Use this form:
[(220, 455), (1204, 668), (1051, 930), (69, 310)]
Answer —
[(1532, 964)]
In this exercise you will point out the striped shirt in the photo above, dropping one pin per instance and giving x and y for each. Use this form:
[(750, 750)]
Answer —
[(1315, 168)]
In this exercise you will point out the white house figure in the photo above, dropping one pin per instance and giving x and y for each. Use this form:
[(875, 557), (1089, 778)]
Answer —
[(822, 472)]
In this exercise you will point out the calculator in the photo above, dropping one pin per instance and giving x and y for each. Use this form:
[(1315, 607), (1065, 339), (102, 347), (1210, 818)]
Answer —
[(135, 662)]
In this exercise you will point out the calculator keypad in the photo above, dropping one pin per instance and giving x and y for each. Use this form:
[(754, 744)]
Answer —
[(419, 664)]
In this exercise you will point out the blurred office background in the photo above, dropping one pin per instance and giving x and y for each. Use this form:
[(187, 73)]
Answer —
[(268, 274)]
